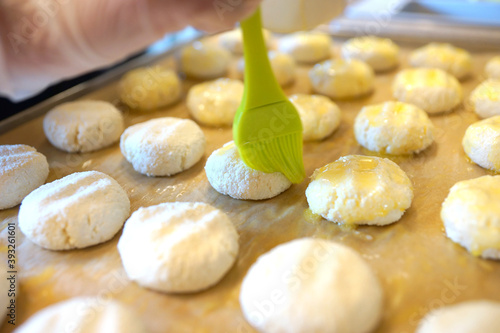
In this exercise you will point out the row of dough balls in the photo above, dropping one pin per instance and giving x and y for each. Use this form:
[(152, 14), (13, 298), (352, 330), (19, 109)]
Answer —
[(88, 208), (159, 147), (335, 189), (284, 291), (86, 126)]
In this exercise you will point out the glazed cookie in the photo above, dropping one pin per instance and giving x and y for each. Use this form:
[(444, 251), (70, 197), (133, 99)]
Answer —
[(233, 40), (431, 89), (492, 68), (481, 143), (205, 61), (467, 317), (22, 169), (229, 175), (215, 103), (319, 115), (306, 47), (83, 126), (485, 99), (393, 128), (380, 53), (447, 57), (168, 234), (84, 314), (163, 146), (342, 79), (77, 211), (303, 281), (282, 64), (360, 190), (150, 88), (471, 215)]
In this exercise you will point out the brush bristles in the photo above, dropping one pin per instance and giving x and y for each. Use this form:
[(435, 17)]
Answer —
[(281, 154)]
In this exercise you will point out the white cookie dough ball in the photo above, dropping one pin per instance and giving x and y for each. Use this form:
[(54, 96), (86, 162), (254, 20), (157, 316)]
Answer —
[(233, 40), (229, 175), (360, 190), (485, 99), (77, 211), (454, 60), (492, 68), (481, 143), (431, 89), (393, 128), (467, 317), (215, 103), (306, 47), (380, 53), (311, 285), (163, 146), (150, 88), (185, 247), (22, 169), (342, 79), (204, 61), (319, 115), (83, 126), (282, 64), (471, 215), (84, 314)]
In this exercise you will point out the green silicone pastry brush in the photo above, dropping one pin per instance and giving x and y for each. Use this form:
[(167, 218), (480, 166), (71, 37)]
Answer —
[(267, 129)]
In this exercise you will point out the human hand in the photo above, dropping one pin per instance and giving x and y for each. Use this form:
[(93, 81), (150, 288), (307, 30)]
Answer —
[(43, 41)]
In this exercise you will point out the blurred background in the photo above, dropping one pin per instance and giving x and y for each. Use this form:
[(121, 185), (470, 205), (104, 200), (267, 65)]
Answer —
[(473, 24)]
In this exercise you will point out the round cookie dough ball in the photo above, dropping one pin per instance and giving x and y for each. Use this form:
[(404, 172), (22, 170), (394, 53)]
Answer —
[(229, 175), (311, 285), (84, 314), (431, 89), (83, 126), (471, 215), (185, 247), (233, 40), (342, 79), (360, 190), (282, 64), (215, 103), (380, 53), (447, 57), (204, 61), (393, 128), (467, 317), (77, 211), (481, 143), (22, 169), (492, 68), (306, 47), (163, 146), (485, 99), (319, 115), (150, 88)]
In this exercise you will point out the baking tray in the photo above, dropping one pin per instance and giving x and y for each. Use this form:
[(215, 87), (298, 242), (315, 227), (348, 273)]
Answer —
[(419, 268)]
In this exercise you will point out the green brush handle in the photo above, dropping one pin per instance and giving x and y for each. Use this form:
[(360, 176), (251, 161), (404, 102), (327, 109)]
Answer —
[(265, 88)]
